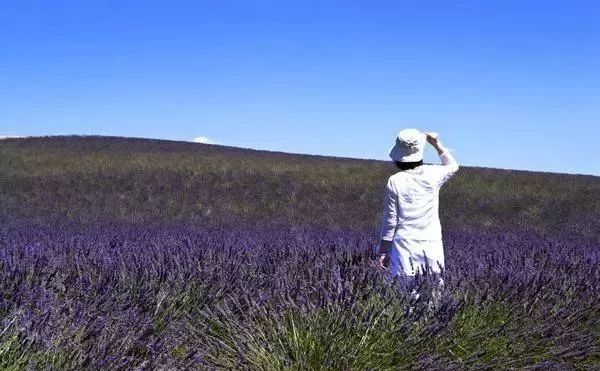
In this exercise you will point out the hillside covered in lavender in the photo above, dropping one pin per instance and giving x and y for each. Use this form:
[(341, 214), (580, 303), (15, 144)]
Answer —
[(139, 254)]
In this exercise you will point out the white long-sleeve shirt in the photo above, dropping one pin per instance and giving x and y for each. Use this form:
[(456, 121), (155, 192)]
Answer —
[(411, 201)]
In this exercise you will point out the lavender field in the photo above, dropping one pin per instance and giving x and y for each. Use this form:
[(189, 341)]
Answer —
[(140, 254)]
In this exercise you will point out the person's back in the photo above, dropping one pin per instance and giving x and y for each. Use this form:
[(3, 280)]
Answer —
[(417, 195)]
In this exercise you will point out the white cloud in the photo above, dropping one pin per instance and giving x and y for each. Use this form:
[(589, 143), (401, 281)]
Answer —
[(204, 140), (10, 136)]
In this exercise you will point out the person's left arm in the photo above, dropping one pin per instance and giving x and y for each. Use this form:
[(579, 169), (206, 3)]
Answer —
[(389, 220)]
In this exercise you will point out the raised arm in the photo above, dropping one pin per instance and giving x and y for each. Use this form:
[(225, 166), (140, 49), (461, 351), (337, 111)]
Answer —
[(449, 163), (445, 156)]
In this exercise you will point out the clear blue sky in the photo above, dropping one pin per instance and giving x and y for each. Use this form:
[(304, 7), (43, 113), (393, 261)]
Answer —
[(507, 84)]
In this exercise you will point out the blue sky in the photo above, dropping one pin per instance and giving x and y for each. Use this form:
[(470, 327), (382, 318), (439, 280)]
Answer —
[(507, 84)]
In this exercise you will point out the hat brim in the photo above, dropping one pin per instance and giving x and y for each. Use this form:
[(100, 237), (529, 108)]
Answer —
[(398, 153)]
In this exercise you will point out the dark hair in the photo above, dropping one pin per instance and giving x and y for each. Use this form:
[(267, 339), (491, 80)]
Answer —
[(408, 165)]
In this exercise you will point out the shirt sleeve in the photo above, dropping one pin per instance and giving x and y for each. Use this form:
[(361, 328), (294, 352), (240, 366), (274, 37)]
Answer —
[(389, 217), (448, 168)]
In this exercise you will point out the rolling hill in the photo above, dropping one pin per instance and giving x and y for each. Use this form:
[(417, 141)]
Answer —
[(91, 178)]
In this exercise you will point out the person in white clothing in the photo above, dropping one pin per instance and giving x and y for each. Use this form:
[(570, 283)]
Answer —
[(411, 233)]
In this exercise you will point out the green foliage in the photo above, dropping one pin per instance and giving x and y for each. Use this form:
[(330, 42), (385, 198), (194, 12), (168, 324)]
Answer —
[(14, 353), (480, 334), (362, 337)]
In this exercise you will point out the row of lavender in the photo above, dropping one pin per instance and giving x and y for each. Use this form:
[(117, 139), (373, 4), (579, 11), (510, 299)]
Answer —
[(232, 296)]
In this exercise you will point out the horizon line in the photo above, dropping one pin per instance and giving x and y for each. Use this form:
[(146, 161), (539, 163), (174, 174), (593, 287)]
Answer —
[(191, 141)]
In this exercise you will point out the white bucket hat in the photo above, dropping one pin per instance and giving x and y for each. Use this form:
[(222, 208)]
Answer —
[(409, 146)]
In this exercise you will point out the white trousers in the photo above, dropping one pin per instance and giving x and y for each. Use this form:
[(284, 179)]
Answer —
[(409, 256)]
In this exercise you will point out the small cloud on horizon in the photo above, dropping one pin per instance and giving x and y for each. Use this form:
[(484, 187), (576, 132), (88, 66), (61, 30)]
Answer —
[(11, 136), (203, 140)]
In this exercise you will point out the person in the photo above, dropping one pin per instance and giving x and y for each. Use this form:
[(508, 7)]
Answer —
[(411, 233)]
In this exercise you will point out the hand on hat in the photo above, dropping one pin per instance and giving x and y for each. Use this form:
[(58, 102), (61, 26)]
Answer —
[(433, 138)]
